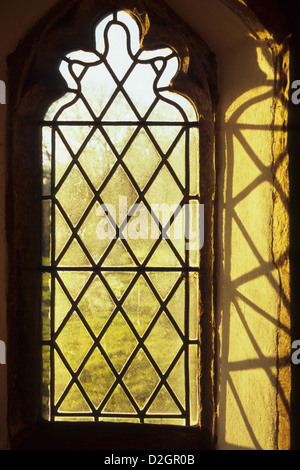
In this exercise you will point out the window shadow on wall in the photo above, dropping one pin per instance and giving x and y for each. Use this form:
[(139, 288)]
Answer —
[(253, 272)]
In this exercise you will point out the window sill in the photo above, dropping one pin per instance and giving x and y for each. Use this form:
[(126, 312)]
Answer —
[(110, 436)]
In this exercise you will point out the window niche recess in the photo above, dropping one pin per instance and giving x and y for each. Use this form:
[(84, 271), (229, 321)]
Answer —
[(33, 87)]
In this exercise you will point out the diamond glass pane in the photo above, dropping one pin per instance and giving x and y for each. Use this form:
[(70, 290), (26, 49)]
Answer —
[(141, 305), (139, 230), (142, 168), (97, 159), (119, 342), (176, 380), (74, 341), (62, 232), (118, 282), (74, 282), (73, 255), (62, 305), (120, 298), (63, 379), (97, 87), (164, 196), (135, 87), (141, 379), (62, 158), (74, 195), (119, 403), (96, 305), (163, 343), (118, 188), (164, 404), (96, 385), (97, 232), (75, 136), (163, 282)]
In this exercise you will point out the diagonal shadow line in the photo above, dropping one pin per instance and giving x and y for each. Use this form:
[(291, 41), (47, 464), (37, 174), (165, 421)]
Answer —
[(263, 169), (239, 126), (261, 271), (252, 364), (243, 413), (254, 343), (229, 228), (262, 178), (271, 376), (248, 239), (249, 150), (226, 274), (251, 101), (265, 176), (259, 310), (270, 265)]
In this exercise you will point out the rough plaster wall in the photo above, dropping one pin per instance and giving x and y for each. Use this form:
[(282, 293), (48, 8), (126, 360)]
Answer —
[(246, 323)]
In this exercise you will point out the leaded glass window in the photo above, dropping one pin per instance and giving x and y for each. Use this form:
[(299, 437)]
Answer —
[(120, 299)]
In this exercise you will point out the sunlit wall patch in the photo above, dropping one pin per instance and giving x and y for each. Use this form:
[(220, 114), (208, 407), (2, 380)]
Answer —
[(120, 314)]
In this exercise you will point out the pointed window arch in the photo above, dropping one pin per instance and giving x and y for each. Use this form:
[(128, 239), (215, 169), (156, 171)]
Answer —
[(122, 236), (104, 274)]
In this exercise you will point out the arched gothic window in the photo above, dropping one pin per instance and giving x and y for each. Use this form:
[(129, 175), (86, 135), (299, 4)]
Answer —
[(122, 236), (115, 140)]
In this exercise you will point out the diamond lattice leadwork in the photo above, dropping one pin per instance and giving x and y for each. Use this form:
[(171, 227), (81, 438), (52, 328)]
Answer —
[(118, 296)]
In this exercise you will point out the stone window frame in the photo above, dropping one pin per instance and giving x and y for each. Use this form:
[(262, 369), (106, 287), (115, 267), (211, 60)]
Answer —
[(33, 84)]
